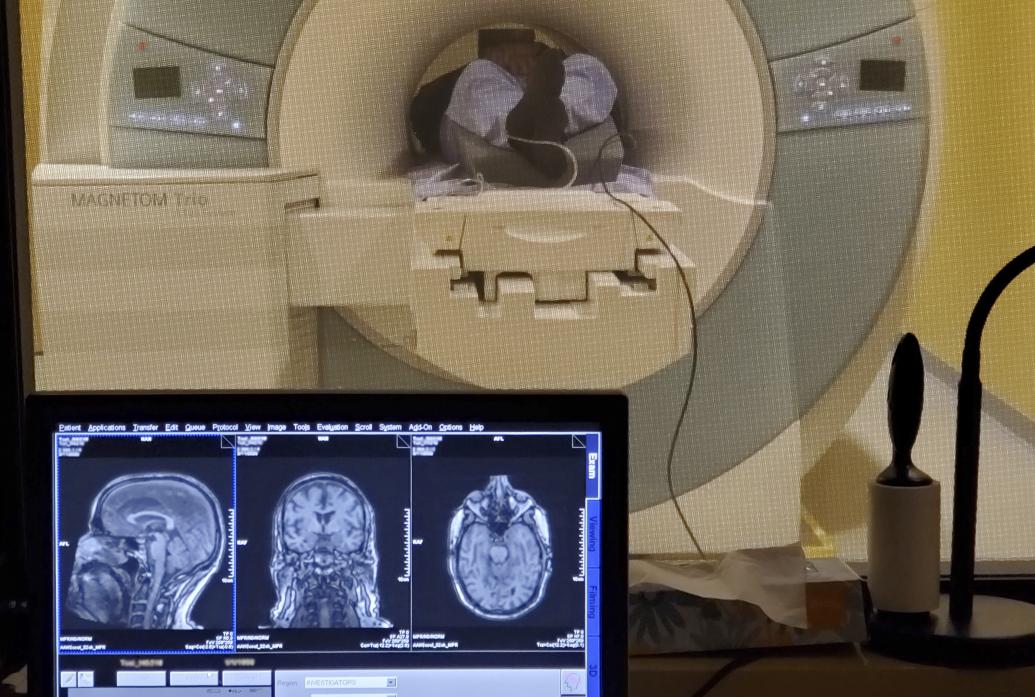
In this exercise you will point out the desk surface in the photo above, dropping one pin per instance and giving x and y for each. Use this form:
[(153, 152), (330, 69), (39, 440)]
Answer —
[(841, 671)]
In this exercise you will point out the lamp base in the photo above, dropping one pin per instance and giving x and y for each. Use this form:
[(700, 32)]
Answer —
[(1001, 634)]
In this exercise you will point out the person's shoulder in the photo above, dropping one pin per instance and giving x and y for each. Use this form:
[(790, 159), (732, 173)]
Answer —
[(586, 65), (482, 66), (481, 71), (581, 58)]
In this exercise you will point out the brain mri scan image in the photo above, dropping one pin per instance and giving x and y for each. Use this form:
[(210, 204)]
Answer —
[(324, 562), (154, 543), (499, 551)]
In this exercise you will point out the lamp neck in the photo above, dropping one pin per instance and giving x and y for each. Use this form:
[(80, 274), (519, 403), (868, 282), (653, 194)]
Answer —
[(971, 366), (968, 439)]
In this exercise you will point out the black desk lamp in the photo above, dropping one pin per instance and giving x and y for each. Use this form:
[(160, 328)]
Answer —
[(967, 630)]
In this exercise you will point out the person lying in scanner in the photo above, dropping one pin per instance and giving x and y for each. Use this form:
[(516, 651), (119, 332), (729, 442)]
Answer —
[(521, 96)]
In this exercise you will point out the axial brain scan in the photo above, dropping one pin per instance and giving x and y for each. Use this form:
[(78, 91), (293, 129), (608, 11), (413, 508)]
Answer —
[(154, 543), (499, 551), (324, 562)]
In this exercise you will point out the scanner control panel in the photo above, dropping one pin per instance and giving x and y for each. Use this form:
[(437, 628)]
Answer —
[(164, 85), (877, 78)]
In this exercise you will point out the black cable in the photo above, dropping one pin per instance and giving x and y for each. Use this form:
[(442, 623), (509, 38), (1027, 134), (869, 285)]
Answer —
[(693, 340), (723, 673)]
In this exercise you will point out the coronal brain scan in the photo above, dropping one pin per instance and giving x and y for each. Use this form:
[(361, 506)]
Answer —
[(500, 556), (154, 543), (324, 563)]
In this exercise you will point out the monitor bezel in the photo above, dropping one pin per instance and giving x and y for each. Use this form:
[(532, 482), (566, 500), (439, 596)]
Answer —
[(609, 410), (16, 345)]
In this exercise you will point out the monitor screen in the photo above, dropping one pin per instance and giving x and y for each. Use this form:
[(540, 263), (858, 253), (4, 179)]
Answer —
[(157, 83), (293, 556), (882, 76)]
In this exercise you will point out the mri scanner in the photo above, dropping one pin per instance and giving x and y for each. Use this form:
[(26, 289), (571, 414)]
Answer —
[(222, 202)]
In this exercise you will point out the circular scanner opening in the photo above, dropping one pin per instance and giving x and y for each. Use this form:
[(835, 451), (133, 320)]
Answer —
[(692, 90), (464, 49)]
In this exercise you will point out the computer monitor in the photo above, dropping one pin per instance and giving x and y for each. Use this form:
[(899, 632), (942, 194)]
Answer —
[(329, 545)]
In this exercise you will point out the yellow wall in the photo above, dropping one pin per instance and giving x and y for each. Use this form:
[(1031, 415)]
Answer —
[(31, 12), (986, 196)]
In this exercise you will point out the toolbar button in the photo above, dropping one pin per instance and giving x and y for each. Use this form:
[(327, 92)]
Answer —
[(140, 678), (195, 678), (247, 678), (573, 682)]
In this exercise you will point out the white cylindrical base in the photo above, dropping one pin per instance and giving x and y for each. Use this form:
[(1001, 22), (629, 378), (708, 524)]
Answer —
[(905, 547)]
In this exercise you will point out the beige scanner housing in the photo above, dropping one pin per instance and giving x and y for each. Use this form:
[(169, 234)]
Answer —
[(270, 238), (168, 280), (517, 289)]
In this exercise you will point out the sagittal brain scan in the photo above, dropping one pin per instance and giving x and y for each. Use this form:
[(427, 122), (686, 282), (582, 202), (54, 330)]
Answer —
[(499, 551), (324, 562), (154, 543)]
